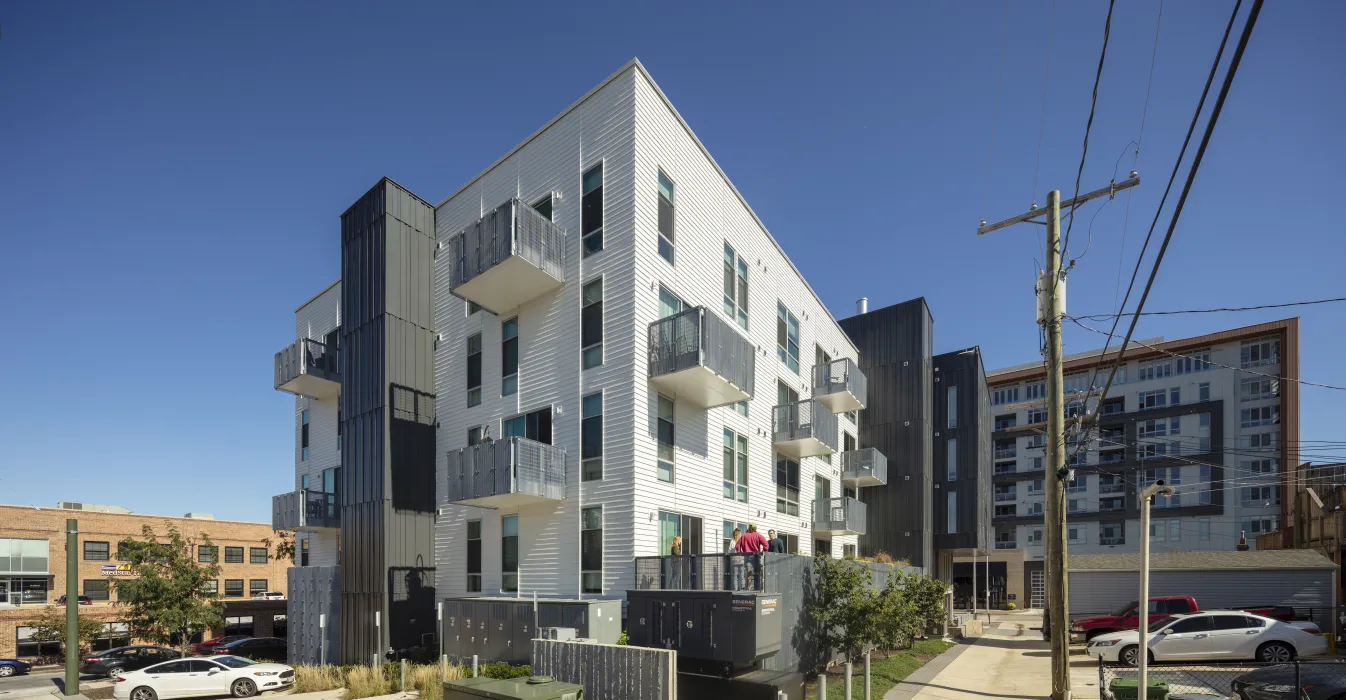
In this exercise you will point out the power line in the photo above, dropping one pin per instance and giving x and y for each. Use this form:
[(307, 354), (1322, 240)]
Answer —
[(1104, 317), (1089, 125)]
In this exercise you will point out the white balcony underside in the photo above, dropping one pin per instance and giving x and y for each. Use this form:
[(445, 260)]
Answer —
[(826, 531), (701, 386), (856, 480), (508, 285), (802, 447), (839, 402), (312, 386), (504, 500)]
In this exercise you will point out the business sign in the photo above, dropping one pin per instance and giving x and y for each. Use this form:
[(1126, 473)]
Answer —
[(117, 570)]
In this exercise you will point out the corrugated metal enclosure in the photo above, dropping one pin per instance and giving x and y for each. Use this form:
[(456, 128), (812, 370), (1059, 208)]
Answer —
[(608, 671), (314, 591)]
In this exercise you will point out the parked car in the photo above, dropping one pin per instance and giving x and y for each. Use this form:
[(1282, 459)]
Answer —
[(13, 667), (1214, 635), (114, 661), (269, 595), (207, 647), (217, 675), (257, 649), (1127, 617), (83, 600), (1319, 681)]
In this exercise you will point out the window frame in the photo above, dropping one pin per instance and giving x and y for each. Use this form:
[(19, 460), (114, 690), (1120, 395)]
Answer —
[(505, 571), (588, 573), (951, 459), (667, 240), (784, 489), (588, 457), (587, 235), (106, 593), (734, 465), (788, 352), (207, 554), (474, 391), (107, 550), (736, 278), (233, 555), (951, 403), (252, 555), (470, 569), (228, 586), (588, 351), (509, 381), (255, 590), (303, 435), (666, 450)]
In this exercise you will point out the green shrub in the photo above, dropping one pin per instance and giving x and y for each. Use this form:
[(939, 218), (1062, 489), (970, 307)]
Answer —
[(1010, 606), (621, 638), (503, 671)]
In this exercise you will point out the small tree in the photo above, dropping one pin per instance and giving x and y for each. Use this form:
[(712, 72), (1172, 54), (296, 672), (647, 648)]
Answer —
[(50, 627), (842, 605), (929, 594), (166, 594), (896, 620)]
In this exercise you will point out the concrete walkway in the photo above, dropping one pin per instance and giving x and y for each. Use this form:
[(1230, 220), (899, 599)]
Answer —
[(1008, 661)]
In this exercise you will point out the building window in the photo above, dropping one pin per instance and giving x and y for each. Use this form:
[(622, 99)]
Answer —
[(96, 551), (1260, 466), (742, 408), (1258, 526), (1203, 528), (591, 549), (787, 485), (735, 286), (591, 211), (1007, 395), (1260, 440), (669, 303), (96, 589), (1036, 415), (1258, 388), (953, 512), (1154, 370), (474, 370), (1035, 508), (665, 438), (1111, 533), (1034, 391), (26, 647), (212, 587), (591, 325), (474, 556), (666, 217), (233, 588), (1256, 353), (303, 435), (1203, 420), (591, 437), (1152, 399), (952, 452), (233, 555), (205, 554), (258, 555), (1035, 536), (1076, 534), (473, 307), (1258, 496), (1006, 510), (303, 552), (241, 625), (1203, 496), (787, 338), (256, 587), (953, 407), (1034, 486), (509, 553), (1174, 396), (1192, 362), (735, 466), (544, 207), (1203, 391), (1253, 417), (509, 357)]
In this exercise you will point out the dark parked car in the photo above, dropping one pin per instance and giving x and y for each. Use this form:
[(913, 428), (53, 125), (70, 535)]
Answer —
[(13, 667), (1319, 681), (83, 600), (257, 649), (114, 661), (208, 647)]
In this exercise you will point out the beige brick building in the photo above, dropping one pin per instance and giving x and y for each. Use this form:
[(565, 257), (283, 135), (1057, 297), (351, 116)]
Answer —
[(33, 567)]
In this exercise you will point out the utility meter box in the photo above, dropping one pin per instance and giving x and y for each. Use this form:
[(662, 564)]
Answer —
[(728, 629)]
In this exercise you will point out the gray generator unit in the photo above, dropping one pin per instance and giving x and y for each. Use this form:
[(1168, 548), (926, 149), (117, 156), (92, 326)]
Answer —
[(715, 631), (502, 629), (532, 688)]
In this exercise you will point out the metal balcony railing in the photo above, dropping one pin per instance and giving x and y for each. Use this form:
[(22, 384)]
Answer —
[(703, 572), (864, 467), (1006, 452), (309, 368), (511, 471), (1006, 497), (305, 510), (804, 429), (840, 385), (1111, 540), (838, 516), (511, 255), (699, 356), (1108, 507), (1003, 544), (1112, 488), (1006, 468)]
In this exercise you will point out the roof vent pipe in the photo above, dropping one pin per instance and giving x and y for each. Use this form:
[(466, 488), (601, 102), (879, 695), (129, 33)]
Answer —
[(862, 305)]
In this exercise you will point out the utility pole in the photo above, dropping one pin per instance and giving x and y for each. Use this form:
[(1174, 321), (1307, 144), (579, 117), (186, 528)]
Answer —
[(1051, 307), (71, 607)]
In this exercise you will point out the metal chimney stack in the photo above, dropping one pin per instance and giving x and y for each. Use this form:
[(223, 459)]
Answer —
[(862, 305)]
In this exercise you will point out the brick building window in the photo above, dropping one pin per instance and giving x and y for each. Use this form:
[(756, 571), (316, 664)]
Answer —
[(233, 555), (258, 555), (96, 551), (233, 588)]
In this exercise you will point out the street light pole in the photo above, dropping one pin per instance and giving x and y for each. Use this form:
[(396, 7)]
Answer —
[(1142, 653)]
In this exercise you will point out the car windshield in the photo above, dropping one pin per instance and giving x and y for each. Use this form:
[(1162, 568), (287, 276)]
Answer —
[(233, 661), (1124, 609)]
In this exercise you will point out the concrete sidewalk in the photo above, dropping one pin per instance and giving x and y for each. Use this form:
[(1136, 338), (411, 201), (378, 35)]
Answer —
[(1008, 661)]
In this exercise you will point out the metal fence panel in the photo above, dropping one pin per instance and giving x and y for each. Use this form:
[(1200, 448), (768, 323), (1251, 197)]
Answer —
[(864, 462), (609, 671), (838, 376), (511, 465), (313, 591), (702, 572), (805, 419), (513, 228)]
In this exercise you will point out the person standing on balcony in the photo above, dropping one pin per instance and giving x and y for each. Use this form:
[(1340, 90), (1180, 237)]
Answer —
[(751, 545), (774, 543), (674, 564), (735, 581)]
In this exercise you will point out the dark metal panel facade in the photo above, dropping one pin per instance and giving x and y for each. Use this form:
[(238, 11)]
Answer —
[(895, 354), (387, 456), (970, 425)]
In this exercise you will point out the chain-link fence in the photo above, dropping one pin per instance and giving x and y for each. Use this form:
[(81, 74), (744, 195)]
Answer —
[(1248, 680)]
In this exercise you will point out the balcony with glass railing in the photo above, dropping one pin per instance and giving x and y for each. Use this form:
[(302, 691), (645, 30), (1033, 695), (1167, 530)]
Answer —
[(1006, 544), (309, 368), (510, 256), (506, 473), (804, 429), (834, 517), (1005, 496), (864, 467), (1111, 540), (305, 511), (1112, 488), (1006, 452), (840, 385), (697, 356)]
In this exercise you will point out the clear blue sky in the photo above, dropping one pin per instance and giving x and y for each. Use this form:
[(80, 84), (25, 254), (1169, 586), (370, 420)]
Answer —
[(171, 176)]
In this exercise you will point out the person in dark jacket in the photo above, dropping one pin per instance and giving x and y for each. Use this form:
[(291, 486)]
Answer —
[(774, 543)]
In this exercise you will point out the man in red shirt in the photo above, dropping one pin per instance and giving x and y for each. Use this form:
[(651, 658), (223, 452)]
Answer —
[(751, 544)]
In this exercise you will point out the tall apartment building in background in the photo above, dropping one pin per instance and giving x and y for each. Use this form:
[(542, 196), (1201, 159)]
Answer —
[(1207, 414)]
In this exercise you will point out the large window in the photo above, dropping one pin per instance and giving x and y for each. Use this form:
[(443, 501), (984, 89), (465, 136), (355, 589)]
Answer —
[(591, 549), (544, 207), (1037, 390), (1112, 533), (233, 588), (256, 587), (591, 437), (258, 555), (1258, 388), (1255, 353), (1198, 361), (952, 525), (591, 325), (952, 452), (474, 369), (303, 435), (474, 556), (666, 217), (591, 211), (669, 303), (952, 393), (509, 357), (26, 647), (534, 425), (96, 589), (1260, 466), (787, 485), (1258, 526), (1035, 415), (665, 437), (1154, 370), (205, 554), (678, 525), (233, 555), (1009, 394), (735, 286), (115, 635), (509, 553), (96, 551), (1257, 496), (303, 552), (1253, 417), (727, 540), (735, 466), (787, 338)]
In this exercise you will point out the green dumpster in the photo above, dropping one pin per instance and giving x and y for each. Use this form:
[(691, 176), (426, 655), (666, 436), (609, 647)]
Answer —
[(532, 688), (1125, 689)]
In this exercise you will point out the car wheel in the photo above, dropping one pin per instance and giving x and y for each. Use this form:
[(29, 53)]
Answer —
[(242, 688), (112, 672), (144, 692), (1129, 655), (1275, 652), (6, 671)]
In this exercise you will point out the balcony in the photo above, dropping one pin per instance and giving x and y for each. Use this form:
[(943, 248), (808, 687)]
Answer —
[(1006, 544), (510, 256), (305, 511), (804, 429), (834, 517), (864, 467), (1111, 540), (839, 385), (309, 368), (1112, 488), (699, 357), (1006, 497), (506, 473), (1111, 505), (1009, 468), (1009, 452)]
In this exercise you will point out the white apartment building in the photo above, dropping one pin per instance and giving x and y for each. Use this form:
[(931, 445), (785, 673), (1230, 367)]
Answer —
[(1208, 414), (625, 355)]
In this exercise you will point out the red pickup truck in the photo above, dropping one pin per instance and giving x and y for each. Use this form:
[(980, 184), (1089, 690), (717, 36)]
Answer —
[(1127, 617)]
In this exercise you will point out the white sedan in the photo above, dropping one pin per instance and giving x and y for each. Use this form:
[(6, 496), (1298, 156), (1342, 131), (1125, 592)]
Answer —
[(217, 675), (1214, 635)]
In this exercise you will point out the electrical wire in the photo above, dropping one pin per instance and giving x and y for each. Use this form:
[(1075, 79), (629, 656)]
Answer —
[(1089, 125), (1104, 317)]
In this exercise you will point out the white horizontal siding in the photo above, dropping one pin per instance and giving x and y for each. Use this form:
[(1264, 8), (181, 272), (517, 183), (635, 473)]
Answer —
[(320, 316)]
